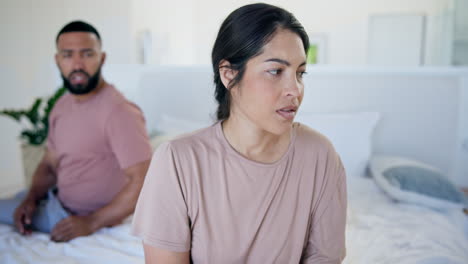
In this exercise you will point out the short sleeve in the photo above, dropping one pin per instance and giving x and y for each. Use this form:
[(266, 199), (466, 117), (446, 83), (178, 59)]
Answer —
[(126, 132), (161, 215), (50, 143), (326, 243)]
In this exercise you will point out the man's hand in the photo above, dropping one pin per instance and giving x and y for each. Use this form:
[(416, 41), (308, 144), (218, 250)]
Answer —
[(43, 179), (23, 216), (112, 214), (72, 227)]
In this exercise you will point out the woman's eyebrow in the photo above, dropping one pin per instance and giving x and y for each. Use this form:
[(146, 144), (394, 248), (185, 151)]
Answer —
[(285, 62)]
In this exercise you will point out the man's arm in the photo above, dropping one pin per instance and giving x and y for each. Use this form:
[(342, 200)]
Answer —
[(124, 203), (156, 255), (44, 178), (114, 213)]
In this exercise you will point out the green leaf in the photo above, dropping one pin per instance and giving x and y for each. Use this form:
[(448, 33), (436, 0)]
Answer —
[(14, 114), (38, 119), (33, 113)]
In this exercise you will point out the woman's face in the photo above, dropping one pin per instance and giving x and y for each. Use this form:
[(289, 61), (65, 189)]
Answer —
[(271, 89)]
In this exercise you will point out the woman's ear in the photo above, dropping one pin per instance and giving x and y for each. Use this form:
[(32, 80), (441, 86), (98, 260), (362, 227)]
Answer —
[(226, 73)]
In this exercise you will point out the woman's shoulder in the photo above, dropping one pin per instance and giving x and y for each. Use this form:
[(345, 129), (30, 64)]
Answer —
[(312, 143), (196, 139), (311, 139)]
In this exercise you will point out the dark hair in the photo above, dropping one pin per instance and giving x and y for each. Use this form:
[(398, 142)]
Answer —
[(78, 26), (241, 37)]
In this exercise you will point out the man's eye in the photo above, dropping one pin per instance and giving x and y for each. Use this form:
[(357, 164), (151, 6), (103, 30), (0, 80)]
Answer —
[(66, 55), (89, 54)]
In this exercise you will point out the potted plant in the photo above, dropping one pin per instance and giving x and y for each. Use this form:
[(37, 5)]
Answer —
[(35, 133)]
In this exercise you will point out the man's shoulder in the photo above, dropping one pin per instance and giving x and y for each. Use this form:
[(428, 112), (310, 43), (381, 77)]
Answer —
[(114, 104), (62, 102), (109, 104), (112, 97)]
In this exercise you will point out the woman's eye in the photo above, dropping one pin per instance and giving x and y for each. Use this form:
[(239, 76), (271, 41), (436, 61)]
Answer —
[(301, 74), (275, 71)]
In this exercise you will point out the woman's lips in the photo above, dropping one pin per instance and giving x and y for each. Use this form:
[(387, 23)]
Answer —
[(287, 113)]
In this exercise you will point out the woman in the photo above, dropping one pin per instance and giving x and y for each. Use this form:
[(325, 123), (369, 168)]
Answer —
[(254, 187)]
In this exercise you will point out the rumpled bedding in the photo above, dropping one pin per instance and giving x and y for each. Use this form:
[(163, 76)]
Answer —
[(379, 231)]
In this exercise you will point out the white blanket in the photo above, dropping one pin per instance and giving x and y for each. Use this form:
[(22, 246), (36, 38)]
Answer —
[(109, 245), (378, 231)]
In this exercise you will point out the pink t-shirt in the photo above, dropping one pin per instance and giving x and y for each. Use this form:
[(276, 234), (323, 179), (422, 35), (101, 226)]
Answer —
[(93, 141), (202, 196)]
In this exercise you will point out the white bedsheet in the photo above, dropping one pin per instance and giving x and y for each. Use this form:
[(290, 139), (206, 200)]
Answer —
[(379, 231), (109, 245)]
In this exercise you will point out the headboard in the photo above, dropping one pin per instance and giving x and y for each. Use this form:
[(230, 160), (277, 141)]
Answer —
[(422, 109)]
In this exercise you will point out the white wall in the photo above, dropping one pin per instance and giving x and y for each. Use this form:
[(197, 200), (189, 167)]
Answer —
[(460, 43), (172, 28), (184, 31)]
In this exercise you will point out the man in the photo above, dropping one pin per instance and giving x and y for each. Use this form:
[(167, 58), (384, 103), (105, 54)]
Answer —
[(97, 153)]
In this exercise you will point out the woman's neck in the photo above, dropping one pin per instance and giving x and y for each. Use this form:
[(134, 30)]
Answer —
[(253, 142)]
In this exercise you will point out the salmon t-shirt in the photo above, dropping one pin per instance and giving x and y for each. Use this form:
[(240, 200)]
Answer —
[(92, 142), (202, 196)]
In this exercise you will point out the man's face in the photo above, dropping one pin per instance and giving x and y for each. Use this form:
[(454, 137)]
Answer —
[(79, 58)]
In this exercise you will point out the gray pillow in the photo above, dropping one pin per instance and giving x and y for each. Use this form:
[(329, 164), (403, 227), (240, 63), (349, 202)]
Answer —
[(411, 181)]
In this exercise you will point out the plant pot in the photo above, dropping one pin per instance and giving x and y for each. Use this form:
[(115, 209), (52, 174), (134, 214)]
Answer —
[(31, 155)]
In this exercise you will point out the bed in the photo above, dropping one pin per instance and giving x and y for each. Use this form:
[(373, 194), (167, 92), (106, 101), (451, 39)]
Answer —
[(379, 229)]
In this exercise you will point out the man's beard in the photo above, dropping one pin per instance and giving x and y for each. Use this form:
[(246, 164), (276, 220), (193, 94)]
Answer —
[(81, 89)]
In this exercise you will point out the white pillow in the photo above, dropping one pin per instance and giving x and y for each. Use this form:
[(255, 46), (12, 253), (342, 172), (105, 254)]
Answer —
[(176, 125), (350, 134), (414, 182), (157, 140), (170, 127)]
